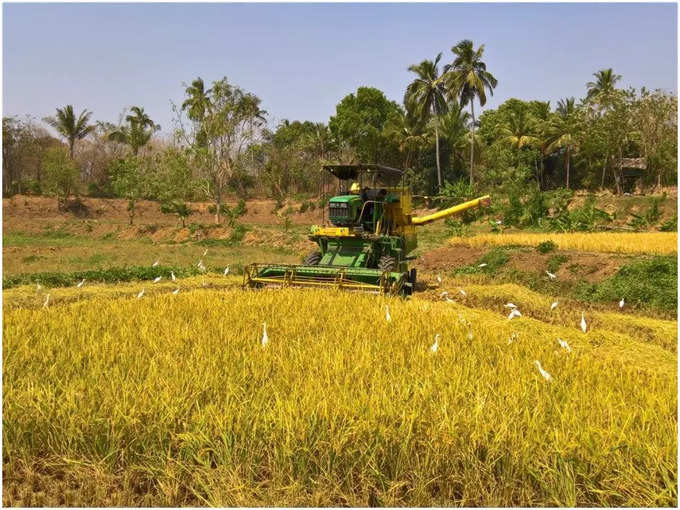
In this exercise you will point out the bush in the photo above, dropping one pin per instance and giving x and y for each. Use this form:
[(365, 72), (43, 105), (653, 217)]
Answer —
[(546, 247), (178, 207), (581, 219), (670, 225)]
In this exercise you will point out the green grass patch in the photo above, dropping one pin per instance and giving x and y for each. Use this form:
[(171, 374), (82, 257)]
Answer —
[(556, 261), (651, 283), (494, 260), (111, 275)]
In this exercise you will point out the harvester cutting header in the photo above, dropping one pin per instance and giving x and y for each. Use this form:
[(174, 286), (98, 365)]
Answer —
[(367, 240)]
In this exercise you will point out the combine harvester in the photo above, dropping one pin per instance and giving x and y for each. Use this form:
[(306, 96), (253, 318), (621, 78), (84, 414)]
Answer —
[(367, 244)]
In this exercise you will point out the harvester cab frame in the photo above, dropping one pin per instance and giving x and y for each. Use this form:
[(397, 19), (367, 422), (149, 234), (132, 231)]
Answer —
[(366, 236)]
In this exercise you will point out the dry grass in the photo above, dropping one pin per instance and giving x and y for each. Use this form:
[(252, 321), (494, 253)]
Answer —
[(661, 243), (172, 400)]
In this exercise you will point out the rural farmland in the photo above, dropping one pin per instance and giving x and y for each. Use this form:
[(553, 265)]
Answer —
[(339, 255)]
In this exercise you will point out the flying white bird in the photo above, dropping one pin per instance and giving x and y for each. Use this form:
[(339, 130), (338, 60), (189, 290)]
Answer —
[(435, 345), (514, 313), (551, 275), (265, 338), (462, 291), (439, 279), (176, 291), (154, 264), (226, 271), (47, 300), (157, 279), (81, 283), (621, 303), (172, 275), (388, 317), (483, 264), (553, 306), (205, 252), (584, 326), (510, 305), (141, 293), (545, 374), (564, 344)]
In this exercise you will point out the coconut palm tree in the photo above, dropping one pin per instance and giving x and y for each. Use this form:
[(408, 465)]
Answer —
[(138, 130), (563, 133), (519, 130), (407, 133), (467, 80), (604, 84), (426, 95), (198, 102), (454, 128), (71, 127)]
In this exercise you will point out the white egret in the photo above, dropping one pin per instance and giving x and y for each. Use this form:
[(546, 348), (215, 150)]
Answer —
[(510, 305), (81, 283), (205, 252), (172, 275), (435, 345), (551, 275), (545, 374), (553, 306), (176, 291), (155, 263), (439, 279), (462, 291), (265, 338), (564, 344), (483, 264), (513, 337), (584, 326), (47, 300), (388, 317), (157, 279), (141, 293), (226, 271), (444, 294), (514, 313), (622, 303), (38, 287)]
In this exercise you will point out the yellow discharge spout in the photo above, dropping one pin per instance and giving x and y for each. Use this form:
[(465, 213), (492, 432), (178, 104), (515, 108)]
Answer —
[(477, 202)]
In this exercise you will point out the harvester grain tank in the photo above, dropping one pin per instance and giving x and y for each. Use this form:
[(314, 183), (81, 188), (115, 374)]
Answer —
[(367, 242)]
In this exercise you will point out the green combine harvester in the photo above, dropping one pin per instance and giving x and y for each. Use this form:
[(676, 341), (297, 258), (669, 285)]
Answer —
[(368, 238)]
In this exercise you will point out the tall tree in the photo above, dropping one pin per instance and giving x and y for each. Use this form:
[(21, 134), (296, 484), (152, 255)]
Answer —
[(563, 131), (427, 95), (69, 126), (468, 80), (604, 84), (138, 131)]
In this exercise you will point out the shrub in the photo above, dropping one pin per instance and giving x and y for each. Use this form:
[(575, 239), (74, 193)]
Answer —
[(546, 247)]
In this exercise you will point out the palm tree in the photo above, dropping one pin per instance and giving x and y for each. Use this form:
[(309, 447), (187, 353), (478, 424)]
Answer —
[(454, 128), (604, 84), (198, 102), (426, 95), (563, 132), (138, 132), (468, 79), (519, 130), (70, 127), (407, 132)]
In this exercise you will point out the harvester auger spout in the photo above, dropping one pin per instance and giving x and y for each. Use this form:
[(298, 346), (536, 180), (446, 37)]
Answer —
[(367, 242)]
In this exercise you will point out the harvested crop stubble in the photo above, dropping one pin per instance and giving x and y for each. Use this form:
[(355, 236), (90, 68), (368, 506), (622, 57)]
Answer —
[(172, 400), (662, 243)]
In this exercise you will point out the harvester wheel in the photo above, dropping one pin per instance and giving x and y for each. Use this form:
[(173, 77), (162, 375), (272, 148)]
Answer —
[(312, 259), (387, 263)]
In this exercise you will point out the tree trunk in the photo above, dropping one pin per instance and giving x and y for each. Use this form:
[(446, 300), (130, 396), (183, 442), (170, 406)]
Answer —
[(568, 165), (218, 206), (439, 170), (472, 144), (604, 169), (71, 145)]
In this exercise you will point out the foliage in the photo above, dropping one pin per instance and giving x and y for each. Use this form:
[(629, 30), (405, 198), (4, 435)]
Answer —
[(579, 219), (181, 209), (138, 131), (70, 126), (61, 175), (359, 121), (670, 225), (546, 247), (129, 181)]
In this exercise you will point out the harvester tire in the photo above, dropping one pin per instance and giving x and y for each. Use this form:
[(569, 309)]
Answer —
[(312, 259), (387, 263)]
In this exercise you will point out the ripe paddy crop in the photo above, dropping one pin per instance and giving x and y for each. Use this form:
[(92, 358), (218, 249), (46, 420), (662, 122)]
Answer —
[(172, 400), (661, 243)]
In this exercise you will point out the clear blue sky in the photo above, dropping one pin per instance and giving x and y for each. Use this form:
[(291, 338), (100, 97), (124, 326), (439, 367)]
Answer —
[(301, 59)]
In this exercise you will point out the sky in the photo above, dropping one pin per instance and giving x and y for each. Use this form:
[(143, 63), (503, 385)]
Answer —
[(302, 59)]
